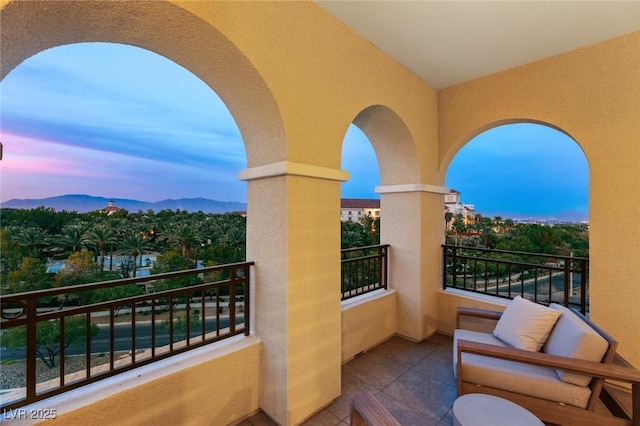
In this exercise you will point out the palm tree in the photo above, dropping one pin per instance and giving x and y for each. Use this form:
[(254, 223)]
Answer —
[(118, 227), (217, 228), (100, 236), (448, 217), (73, 235), (508, 226), (183, 234), (135, 244), (352, 234), (236, 238), (459, 227), (31, 238)]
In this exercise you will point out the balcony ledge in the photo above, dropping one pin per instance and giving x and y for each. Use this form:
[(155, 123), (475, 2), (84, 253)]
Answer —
[(93, 392), (366, 297), (475, 296)]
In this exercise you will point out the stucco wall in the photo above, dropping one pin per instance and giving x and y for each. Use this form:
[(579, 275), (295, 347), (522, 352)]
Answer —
[(216, 384), (367, 321), (592, 94), (449, 300)]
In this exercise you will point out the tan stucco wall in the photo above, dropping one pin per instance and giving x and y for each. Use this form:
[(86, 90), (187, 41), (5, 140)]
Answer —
[(593, 94), (449, 300), (217, 391), (367, 321)]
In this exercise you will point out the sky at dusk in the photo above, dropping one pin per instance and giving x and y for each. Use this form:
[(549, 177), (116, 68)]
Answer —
[(121, 122), (521, 170)]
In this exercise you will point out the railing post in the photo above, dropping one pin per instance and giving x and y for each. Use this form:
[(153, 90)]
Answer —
[(32, 323), (247, 300), (567, 280), (454, 260), (233, 275), (384, 266), (584, 277), (444, 267)]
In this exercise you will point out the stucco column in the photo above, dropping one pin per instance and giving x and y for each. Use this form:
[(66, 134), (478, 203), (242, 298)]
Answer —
[(293, 236), (412, 222)]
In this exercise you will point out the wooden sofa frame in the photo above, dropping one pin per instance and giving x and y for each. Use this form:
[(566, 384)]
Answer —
[(549, 411)]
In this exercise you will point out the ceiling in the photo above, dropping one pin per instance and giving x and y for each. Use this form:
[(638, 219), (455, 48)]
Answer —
[(448, 42)]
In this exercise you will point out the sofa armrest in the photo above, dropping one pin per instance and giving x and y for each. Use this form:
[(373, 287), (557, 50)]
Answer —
[(622, 373), (596, 369), (477, 313)]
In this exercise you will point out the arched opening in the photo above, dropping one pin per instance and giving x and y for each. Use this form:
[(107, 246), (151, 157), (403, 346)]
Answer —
[(359, 159), (199, 48), (181, 36), (118, 129), (525, 172), (393, 144), (359, 204), (375, 143), (520, 188), (112, 120), (404, 199), (125, 150)]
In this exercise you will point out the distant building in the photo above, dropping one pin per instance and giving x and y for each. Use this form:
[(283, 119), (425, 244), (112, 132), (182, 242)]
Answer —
[(353, 209), (453, 204), (111, 208)]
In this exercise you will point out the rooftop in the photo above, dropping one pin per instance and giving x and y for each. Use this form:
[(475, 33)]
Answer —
[(359, 203)]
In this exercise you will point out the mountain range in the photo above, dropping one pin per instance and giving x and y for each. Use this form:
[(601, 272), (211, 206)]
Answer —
[(550, 218), (86, 203)]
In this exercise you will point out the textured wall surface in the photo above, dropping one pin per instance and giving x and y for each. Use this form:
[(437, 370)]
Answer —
[(592, 95), (367, 323)]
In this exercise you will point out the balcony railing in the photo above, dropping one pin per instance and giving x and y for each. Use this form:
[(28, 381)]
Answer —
[(363, 270), (172, 313), (542, 278)]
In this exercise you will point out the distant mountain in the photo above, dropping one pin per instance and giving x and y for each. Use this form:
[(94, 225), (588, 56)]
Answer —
[(560, 217), (86, 203)]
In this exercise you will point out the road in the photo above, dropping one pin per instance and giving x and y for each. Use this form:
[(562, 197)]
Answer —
[(557, 284), (122, 338)]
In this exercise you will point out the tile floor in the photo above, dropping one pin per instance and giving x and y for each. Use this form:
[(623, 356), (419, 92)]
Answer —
[(414, 381)]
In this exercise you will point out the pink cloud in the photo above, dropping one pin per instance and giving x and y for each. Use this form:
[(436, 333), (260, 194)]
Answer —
[(35, 168)]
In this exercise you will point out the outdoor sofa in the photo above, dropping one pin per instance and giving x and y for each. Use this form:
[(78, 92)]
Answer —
[(551, 360)]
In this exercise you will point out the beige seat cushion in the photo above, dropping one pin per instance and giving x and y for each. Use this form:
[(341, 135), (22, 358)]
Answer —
[(474, 336), (521, 378)]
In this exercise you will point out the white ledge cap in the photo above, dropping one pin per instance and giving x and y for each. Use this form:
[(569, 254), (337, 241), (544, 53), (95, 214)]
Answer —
[(290, 168)]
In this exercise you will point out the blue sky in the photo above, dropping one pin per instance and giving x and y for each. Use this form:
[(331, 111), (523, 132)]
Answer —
[(122, 122), (522, 170)]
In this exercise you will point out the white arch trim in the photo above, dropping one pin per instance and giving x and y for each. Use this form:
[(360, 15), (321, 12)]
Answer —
[(290, 168), (412, 187)]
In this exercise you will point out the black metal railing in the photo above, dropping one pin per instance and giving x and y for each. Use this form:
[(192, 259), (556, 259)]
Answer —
[(94, 341), (363, 269), (542, 278)]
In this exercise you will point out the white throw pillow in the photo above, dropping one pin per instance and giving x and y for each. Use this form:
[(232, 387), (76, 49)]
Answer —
[(526, 325)]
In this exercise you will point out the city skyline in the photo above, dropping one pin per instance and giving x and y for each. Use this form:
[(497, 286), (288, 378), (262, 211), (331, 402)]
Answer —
[(101, 119)]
